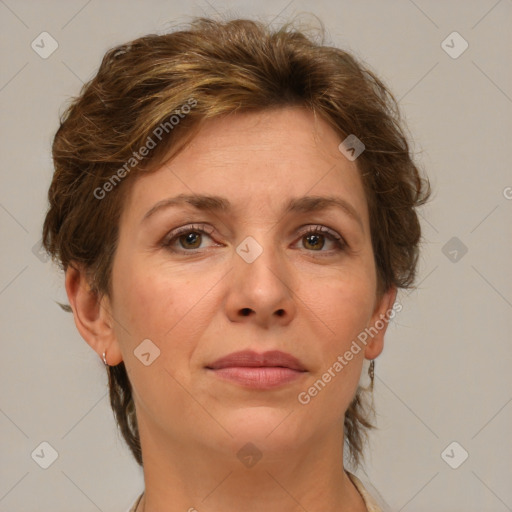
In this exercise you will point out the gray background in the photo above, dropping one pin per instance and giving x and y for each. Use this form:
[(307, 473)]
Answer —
[(445, 373)]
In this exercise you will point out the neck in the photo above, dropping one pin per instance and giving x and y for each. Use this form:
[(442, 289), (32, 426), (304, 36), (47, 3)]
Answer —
[(193, 477)]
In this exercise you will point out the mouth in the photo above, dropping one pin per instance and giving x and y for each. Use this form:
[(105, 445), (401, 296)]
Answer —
[(259, 371)]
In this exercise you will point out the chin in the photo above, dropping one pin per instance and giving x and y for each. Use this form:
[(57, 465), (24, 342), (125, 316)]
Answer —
[(271, 427)]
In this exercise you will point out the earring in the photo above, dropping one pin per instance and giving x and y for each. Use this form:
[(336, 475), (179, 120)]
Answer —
[(371, 371), (105, 359)]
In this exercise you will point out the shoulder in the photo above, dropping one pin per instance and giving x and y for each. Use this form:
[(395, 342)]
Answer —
[(134, 506), (369, 501)]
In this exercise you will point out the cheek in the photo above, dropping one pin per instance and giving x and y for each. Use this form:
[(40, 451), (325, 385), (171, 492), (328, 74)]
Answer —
[(141, 294), (345, 309), (353, 310), (168, 306), (346, 313), (342, 304), (171, 310)]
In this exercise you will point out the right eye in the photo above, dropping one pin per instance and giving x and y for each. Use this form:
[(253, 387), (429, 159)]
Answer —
[(188, 237)]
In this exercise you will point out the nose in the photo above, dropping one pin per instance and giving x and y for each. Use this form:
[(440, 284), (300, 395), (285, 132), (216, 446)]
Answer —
[(261, 292)]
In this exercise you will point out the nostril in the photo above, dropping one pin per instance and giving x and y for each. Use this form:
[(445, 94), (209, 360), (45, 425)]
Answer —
[(280, 312), (246, 311)]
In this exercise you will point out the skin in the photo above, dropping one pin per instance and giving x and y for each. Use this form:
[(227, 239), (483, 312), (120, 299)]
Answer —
[(307, 299)]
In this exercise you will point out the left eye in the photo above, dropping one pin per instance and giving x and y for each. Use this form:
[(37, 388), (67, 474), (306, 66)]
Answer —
[(315, 237)]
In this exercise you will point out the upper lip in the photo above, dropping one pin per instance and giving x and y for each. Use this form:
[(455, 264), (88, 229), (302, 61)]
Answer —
[(249, 358)]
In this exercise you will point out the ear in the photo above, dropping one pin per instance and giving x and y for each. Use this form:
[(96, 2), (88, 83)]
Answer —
[(92, 315), (381, 316)]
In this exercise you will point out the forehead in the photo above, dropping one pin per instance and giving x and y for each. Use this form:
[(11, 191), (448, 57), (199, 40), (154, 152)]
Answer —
[(256, 160)]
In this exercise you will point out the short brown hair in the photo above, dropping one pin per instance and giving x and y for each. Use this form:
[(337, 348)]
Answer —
[(222, 67)]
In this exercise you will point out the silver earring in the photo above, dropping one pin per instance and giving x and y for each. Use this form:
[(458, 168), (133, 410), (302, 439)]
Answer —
[(105, 359), (371, 371)]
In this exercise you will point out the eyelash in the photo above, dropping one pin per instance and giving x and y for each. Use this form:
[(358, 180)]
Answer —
[(200, 229)]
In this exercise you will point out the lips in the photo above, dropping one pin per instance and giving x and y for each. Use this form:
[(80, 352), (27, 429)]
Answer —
[(262, 372), (250, 359)]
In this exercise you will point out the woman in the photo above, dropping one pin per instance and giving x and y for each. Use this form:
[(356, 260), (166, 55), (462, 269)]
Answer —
[(234, 209)]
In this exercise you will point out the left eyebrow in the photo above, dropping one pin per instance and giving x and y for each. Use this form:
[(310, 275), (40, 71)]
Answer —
[(305, 204), (309, 204)]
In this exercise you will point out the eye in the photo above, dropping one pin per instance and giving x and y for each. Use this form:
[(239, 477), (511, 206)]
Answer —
[(189, 238), (315, 238)]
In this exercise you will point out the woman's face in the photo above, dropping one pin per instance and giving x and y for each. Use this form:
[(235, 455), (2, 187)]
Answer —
[(261, 267)]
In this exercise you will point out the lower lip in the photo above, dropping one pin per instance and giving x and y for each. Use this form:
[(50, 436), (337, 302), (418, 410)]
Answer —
[(267, 377)]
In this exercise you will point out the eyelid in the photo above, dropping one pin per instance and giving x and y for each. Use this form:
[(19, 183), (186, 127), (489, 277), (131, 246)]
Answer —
[(175, 233), (320, 228)]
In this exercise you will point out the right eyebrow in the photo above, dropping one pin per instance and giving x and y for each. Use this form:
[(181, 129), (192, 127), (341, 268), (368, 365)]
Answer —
[(201, 202)]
